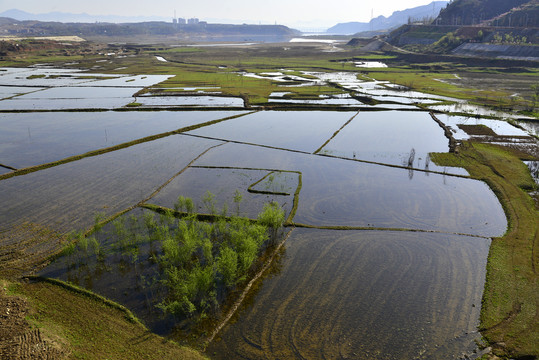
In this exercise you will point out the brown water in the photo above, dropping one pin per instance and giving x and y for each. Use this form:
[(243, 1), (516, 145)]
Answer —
[(364, 295)]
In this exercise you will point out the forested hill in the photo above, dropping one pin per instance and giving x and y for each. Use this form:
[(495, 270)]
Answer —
[(471, 12), (156, 28)]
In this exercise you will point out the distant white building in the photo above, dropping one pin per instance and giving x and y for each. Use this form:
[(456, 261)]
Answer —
[(193, 21), (182, 21)]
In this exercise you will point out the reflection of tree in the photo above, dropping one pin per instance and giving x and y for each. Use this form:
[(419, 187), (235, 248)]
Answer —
[(411, 158)]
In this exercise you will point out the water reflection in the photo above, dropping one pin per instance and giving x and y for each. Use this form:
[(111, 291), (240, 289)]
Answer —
[(28, 139), (197, 101), (295, 130), (380, 295), (388, 137), (337, 192), (67, 197)]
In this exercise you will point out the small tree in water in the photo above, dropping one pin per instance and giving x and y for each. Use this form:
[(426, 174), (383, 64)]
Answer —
[(272, 216), (201, 262)]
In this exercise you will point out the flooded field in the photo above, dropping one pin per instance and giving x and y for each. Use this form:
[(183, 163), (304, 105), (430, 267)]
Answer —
[(387, 251), (29, 140), (60, 89), (364, 295)]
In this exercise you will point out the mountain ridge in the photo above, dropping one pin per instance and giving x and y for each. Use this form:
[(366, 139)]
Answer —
[(399, 17), (77, 18)]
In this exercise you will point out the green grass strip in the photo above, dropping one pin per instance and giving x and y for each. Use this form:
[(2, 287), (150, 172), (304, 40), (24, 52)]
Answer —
[(511, 297), (182, 214), (288, 221), (367, 228), (336, 133), (78, 290)]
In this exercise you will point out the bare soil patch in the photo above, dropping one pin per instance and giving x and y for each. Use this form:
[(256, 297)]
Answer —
[(18, 341)]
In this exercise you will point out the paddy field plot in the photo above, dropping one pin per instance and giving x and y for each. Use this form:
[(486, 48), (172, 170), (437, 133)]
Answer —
[(393, 262)]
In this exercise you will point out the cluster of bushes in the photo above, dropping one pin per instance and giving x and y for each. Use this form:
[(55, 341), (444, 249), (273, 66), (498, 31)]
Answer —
[(498, 38), (198, 262), (201, 261), (446, 43)]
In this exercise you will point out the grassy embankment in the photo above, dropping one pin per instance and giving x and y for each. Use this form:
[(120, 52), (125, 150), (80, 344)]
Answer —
[(222, 73), (87, 326), (429, 82), (218, 67), (435, 78), (195, 68), (212, 69), (509, 314)]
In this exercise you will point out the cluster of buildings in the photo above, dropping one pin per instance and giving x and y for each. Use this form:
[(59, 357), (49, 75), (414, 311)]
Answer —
[(182, 21)]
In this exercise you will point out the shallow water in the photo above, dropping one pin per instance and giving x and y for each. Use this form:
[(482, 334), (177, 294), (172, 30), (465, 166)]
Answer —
[(223, 183), (388, 137), (334, 294), (83, 93), (30, 139), (370, 64), (9, 91), (116, 276), (531, 126), (60, 98), (296, 130), (403, 100), (130, 81), (341, 102), (43, 77), (364, 295), (474, 110), (59, 89), (500, 127), (534, 169), (279, 94), (279, 78), (67, 197), (349, 193), (65, 104), (202, 101), (386, 90)]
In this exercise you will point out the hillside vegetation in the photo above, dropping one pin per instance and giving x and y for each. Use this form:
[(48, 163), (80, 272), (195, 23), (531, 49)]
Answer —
[(470, 12), (155, 28)]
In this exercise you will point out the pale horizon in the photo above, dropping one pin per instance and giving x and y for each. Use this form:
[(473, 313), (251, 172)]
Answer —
[(297, 13)]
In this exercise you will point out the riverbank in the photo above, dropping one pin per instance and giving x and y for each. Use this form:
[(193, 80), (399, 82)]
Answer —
[(509, 315)]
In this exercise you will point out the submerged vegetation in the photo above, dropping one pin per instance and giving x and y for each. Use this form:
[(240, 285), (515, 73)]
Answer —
[(197, 263)]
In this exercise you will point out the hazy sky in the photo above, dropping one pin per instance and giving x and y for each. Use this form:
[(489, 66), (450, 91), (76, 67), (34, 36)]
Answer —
[(286, 12)]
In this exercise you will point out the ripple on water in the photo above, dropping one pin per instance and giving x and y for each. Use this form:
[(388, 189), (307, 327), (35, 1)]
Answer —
[(379, 295)]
